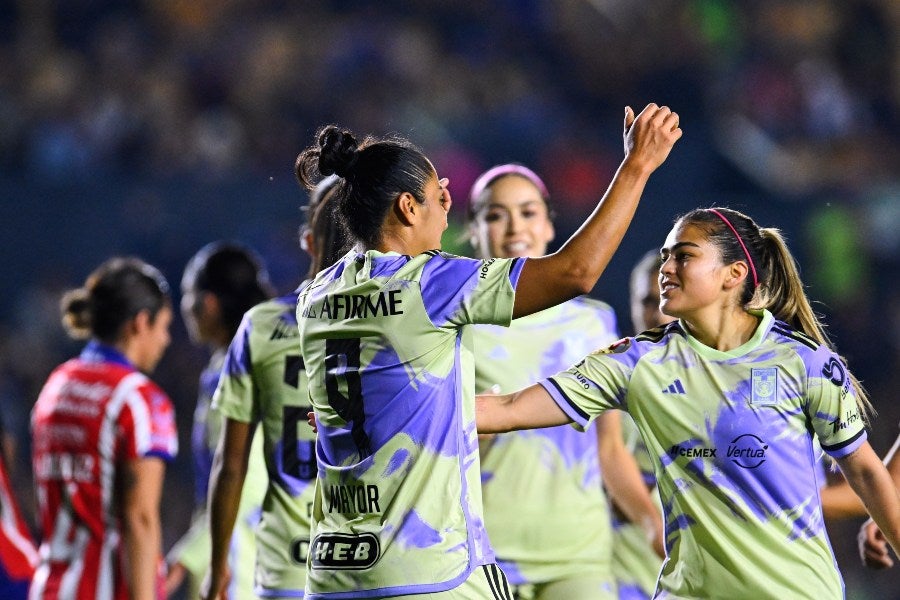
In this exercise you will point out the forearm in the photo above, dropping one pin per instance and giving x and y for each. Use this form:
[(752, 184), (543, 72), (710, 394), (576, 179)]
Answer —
[(874, 486), (142, 540), (575, 268), (530, 408), (226, 483)]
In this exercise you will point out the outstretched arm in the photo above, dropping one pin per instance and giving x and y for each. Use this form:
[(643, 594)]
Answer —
[(871, 481), (226, 481), (530, 408), (873, 545), (623, 481), (574, 269)]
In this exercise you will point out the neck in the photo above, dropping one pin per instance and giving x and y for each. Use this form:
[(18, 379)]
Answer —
[(400, 241), (723, 330)]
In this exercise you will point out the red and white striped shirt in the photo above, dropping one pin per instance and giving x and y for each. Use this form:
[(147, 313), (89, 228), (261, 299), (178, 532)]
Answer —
[(94, 413)]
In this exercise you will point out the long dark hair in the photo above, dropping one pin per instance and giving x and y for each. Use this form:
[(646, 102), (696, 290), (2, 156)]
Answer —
[(373, 174), (112, 295)]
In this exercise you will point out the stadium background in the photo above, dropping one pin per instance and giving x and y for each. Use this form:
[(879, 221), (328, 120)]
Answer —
[(151, 128)]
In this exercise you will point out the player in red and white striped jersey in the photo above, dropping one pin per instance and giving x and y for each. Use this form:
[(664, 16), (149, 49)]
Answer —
[(102, 435)]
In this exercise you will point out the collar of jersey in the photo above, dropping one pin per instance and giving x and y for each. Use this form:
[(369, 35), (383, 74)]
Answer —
[(98, 352), (754, 341)]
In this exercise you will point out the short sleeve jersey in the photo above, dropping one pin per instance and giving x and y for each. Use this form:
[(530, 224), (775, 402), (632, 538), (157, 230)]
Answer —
[(731, 435), (553, 523), (264, 381), (388, 353), (94, 412), (193, 550)]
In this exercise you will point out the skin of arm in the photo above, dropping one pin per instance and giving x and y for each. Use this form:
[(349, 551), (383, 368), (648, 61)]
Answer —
[(575, 268), (226, 482), (871, 481), (873, 545), (623, 481), (141, 531), (530, 408)]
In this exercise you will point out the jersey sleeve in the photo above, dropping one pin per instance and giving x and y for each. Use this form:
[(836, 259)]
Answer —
[(147, 420), (832, 406), (596, 384), (234, 397), (463, 291)]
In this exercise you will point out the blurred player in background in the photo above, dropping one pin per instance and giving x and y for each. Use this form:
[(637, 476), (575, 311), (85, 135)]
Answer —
[(18, 555), (220, 283), (555, 540), (264, 382), (635, 563), (729, 400), (102, 434)]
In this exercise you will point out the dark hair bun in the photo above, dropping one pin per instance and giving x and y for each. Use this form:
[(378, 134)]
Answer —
[(76, 312), (338, 152)]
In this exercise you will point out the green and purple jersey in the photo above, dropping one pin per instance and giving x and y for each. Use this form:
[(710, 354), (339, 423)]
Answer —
[(731, 437), (388, 352), (545, 509), (264, 382)]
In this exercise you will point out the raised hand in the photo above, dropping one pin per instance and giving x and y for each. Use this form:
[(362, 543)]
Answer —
[(650, 136)]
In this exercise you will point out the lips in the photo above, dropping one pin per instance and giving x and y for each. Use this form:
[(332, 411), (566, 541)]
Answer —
[(666, 286)]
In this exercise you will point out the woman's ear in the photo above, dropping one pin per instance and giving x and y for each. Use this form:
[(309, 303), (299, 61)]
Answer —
[(407, 208), (737, 274)]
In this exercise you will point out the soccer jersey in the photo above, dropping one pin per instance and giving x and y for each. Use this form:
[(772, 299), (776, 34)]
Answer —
[(731, 437), (264, 381), (635, 564), (193, 550), (94, 412), (546, 513), (398, 505), (18, 556)]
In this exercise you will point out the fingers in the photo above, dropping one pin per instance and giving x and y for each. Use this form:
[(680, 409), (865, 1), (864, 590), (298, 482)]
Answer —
[(311, 419), (873, 547), (629, 118)]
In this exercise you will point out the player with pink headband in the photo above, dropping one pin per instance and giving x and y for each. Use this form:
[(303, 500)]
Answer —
[(729, 400), (555, 540)]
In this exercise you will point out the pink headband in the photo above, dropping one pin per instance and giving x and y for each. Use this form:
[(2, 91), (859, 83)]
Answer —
[(741, 242), (494, 173)]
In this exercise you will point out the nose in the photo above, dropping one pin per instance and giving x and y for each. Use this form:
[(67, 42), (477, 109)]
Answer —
[(667, 265)]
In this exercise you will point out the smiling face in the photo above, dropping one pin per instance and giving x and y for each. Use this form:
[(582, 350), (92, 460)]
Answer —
[(513, 221), (692, 276)]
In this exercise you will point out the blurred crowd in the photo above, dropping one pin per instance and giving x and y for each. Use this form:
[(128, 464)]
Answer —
[(151, 128)]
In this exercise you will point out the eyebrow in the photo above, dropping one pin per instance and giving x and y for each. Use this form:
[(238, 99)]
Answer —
[(490, 205), (677, 246)]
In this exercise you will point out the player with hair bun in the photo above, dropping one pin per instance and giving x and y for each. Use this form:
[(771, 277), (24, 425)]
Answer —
[(102, 434), (386, 343)]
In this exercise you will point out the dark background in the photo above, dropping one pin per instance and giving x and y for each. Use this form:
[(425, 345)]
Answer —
[(152, 128)]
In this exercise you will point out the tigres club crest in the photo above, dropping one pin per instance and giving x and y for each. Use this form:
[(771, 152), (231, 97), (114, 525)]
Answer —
[(764, 386)]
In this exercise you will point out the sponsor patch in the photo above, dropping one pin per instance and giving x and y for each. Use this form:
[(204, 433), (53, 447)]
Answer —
[(345, 551), (764, 386), (617, 347)]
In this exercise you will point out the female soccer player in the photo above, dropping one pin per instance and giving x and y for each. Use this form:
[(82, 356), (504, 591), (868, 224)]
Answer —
[(389, 359), (102, 433), (555, 541), (264, 382), (728, 400), (220, 283)]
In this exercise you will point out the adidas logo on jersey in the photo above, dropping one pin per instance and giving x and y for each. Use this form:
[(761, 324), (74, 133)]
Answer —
[(674, 388)]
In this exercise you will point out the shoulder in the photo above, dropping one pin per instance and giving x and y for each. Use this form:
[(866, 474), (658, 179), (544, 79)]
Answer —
[(812, 353), (661, 335)]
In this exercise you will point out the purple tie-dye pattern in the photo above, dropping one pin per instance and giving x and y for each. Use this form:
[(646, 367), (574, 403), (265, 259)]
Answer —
[(237, 362), (400, 459), (416, 533), (446, 284)]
